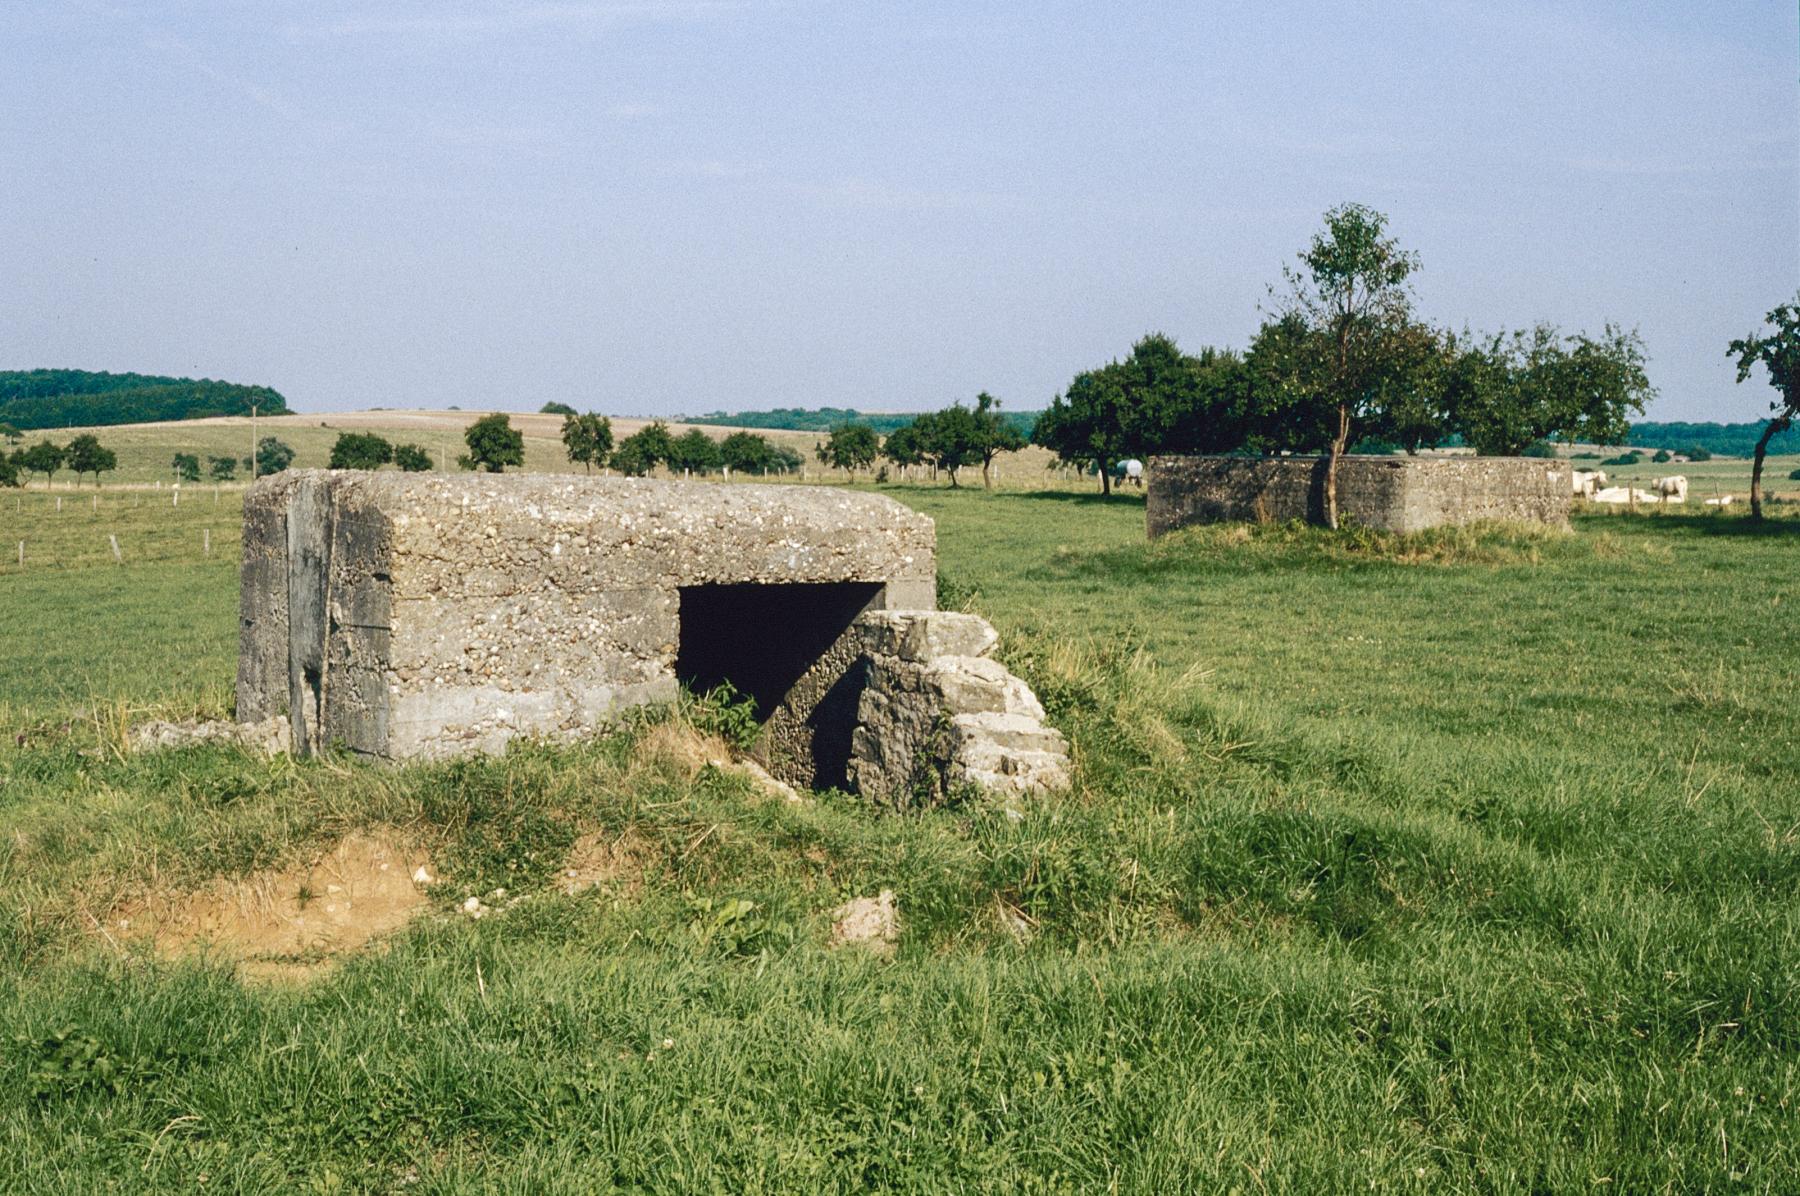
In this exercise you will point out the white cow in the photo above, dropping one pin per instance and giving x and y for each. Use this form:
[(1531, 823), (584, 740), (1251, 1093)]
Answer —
[(1623, 494), (1671, 489), (1130, 470), (1586, 482), (1722, 501)]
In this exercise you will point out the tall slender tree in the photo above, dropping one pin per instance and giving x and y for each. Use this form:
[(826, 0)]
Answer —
[(1777, 350), (1351, 299)]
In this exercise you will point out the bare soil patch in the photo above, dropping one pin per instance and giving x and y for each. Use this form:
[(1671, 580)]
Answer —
[(289, 921)]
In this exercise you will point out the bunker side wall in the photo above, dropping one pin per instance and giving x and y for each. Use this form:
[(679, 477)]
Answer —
[(1399, 494)]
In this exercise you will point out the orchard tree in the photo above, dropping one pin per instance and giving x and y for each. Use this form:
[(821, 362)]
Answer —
[(850, 447), (905, 446), (185, 467), (411, 458), (272, 456), (640, 452), (1777, 350), (11, 434), (45, 458), (695, 452), (747, 452), (224, 469), (1158, 399), (360, 450), (587, 438), (1509, 393), (1351, 301), (85, 454), (493, 444), (997, 435), (1087, 424), (555, 408), (9, 469), (951, 438)]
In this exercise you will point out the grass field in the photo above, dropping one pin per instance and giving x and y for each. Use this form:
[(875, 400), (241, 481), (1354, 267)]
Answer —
[(1455, 862)]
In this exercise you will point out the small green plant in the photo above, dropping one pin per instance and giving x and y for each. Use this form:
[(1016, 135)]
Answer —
[(725, 712), (952, 594), (69, 1061), (730, 926)]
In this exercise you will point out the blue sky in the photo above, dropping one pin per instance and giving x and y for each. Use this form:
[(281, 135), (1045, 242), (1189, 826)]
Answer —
[(659, 207)]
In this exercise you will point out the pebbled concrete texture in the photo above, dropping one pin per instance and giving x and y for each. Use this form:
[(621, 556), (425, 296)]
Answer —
[(1396, 494)]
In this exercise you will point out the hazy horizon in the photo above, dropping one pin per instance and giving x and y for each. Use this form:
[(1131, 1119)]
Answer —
[(675, 207)]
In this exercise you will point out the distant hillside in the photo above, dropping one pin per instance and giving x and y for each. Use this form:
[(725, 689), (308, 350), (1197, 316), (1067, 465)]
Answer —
[(77, 398), (823, 419), (1724, 440)]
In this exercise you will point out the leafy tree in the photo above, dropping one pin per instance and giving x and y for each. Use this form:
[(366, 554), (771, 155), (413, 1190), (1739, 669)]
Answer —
[(747, 452), (1695, 452), (1778, 352), (1351, 301), (272, 456), (554, 408), (1660, 456), (9, 469), (224, 469), (11, 433), (85, 454), (1158, 399), (696, 452), (493, 444), (1087, 425), (185, 466), (997, 435), (951, 438), (411, 458), (360, 450), (644, 449), (588, 438), (905, 446), (850, 447), (1508, 392), (785, 459), (43, 457)]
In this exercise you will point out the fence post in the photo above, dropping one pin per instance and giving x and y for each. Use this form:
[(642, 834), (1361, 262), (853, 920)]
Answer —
[(117, 558), (206, 540), (21, 554), (59, 502)]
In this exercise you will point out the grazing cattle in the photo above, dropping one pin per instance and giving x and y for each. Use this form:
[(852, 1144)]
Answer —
[(1724, 500), (1130, 470), (1671, 489), (1586, 482)]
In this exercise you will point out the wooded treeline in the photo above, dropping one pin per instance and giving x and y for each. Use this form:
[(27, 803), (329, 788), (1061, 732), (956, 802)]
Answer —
[(32, 399)]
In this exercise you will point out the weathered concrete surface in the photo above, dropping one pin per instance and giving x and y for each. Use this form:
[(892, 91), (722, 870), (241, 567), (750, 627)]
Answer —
[(1397, 494), (423, 615), (935, 713)]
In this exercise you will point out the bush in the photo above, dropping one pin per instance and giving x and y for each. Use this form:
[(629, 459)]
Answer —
[(556, 409), (1623, 459), (1662, 456), (1697, 453), (1794, 476), (1540, 449)]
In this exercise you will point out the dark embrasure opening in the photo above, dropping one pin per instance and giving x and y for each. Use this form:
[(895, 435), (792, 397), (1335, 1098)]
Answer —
[(763, 638)]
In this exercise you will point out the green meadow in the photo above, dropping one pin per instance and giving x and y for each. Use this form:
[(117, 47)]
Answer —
[(1456, 862)]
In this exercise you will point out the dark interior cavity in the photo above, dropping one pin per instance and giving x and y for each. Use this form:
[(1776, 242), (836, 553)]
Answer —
[(763, 638)]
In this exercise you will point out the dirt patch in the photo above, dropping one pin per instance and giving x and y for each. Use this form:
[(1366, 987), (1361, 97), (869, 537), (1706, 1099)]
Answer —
[(602, 860), (291, 921)]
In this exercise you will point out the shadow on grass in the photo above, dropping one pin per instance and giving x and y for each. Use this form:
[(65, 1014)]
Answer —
[(1776, 526), (1085, 499)]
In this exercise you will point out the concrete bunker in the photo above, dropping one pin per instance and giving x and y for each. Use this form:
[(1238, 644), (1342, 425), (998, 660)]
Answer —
[(406, 616), (1394, 494)]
